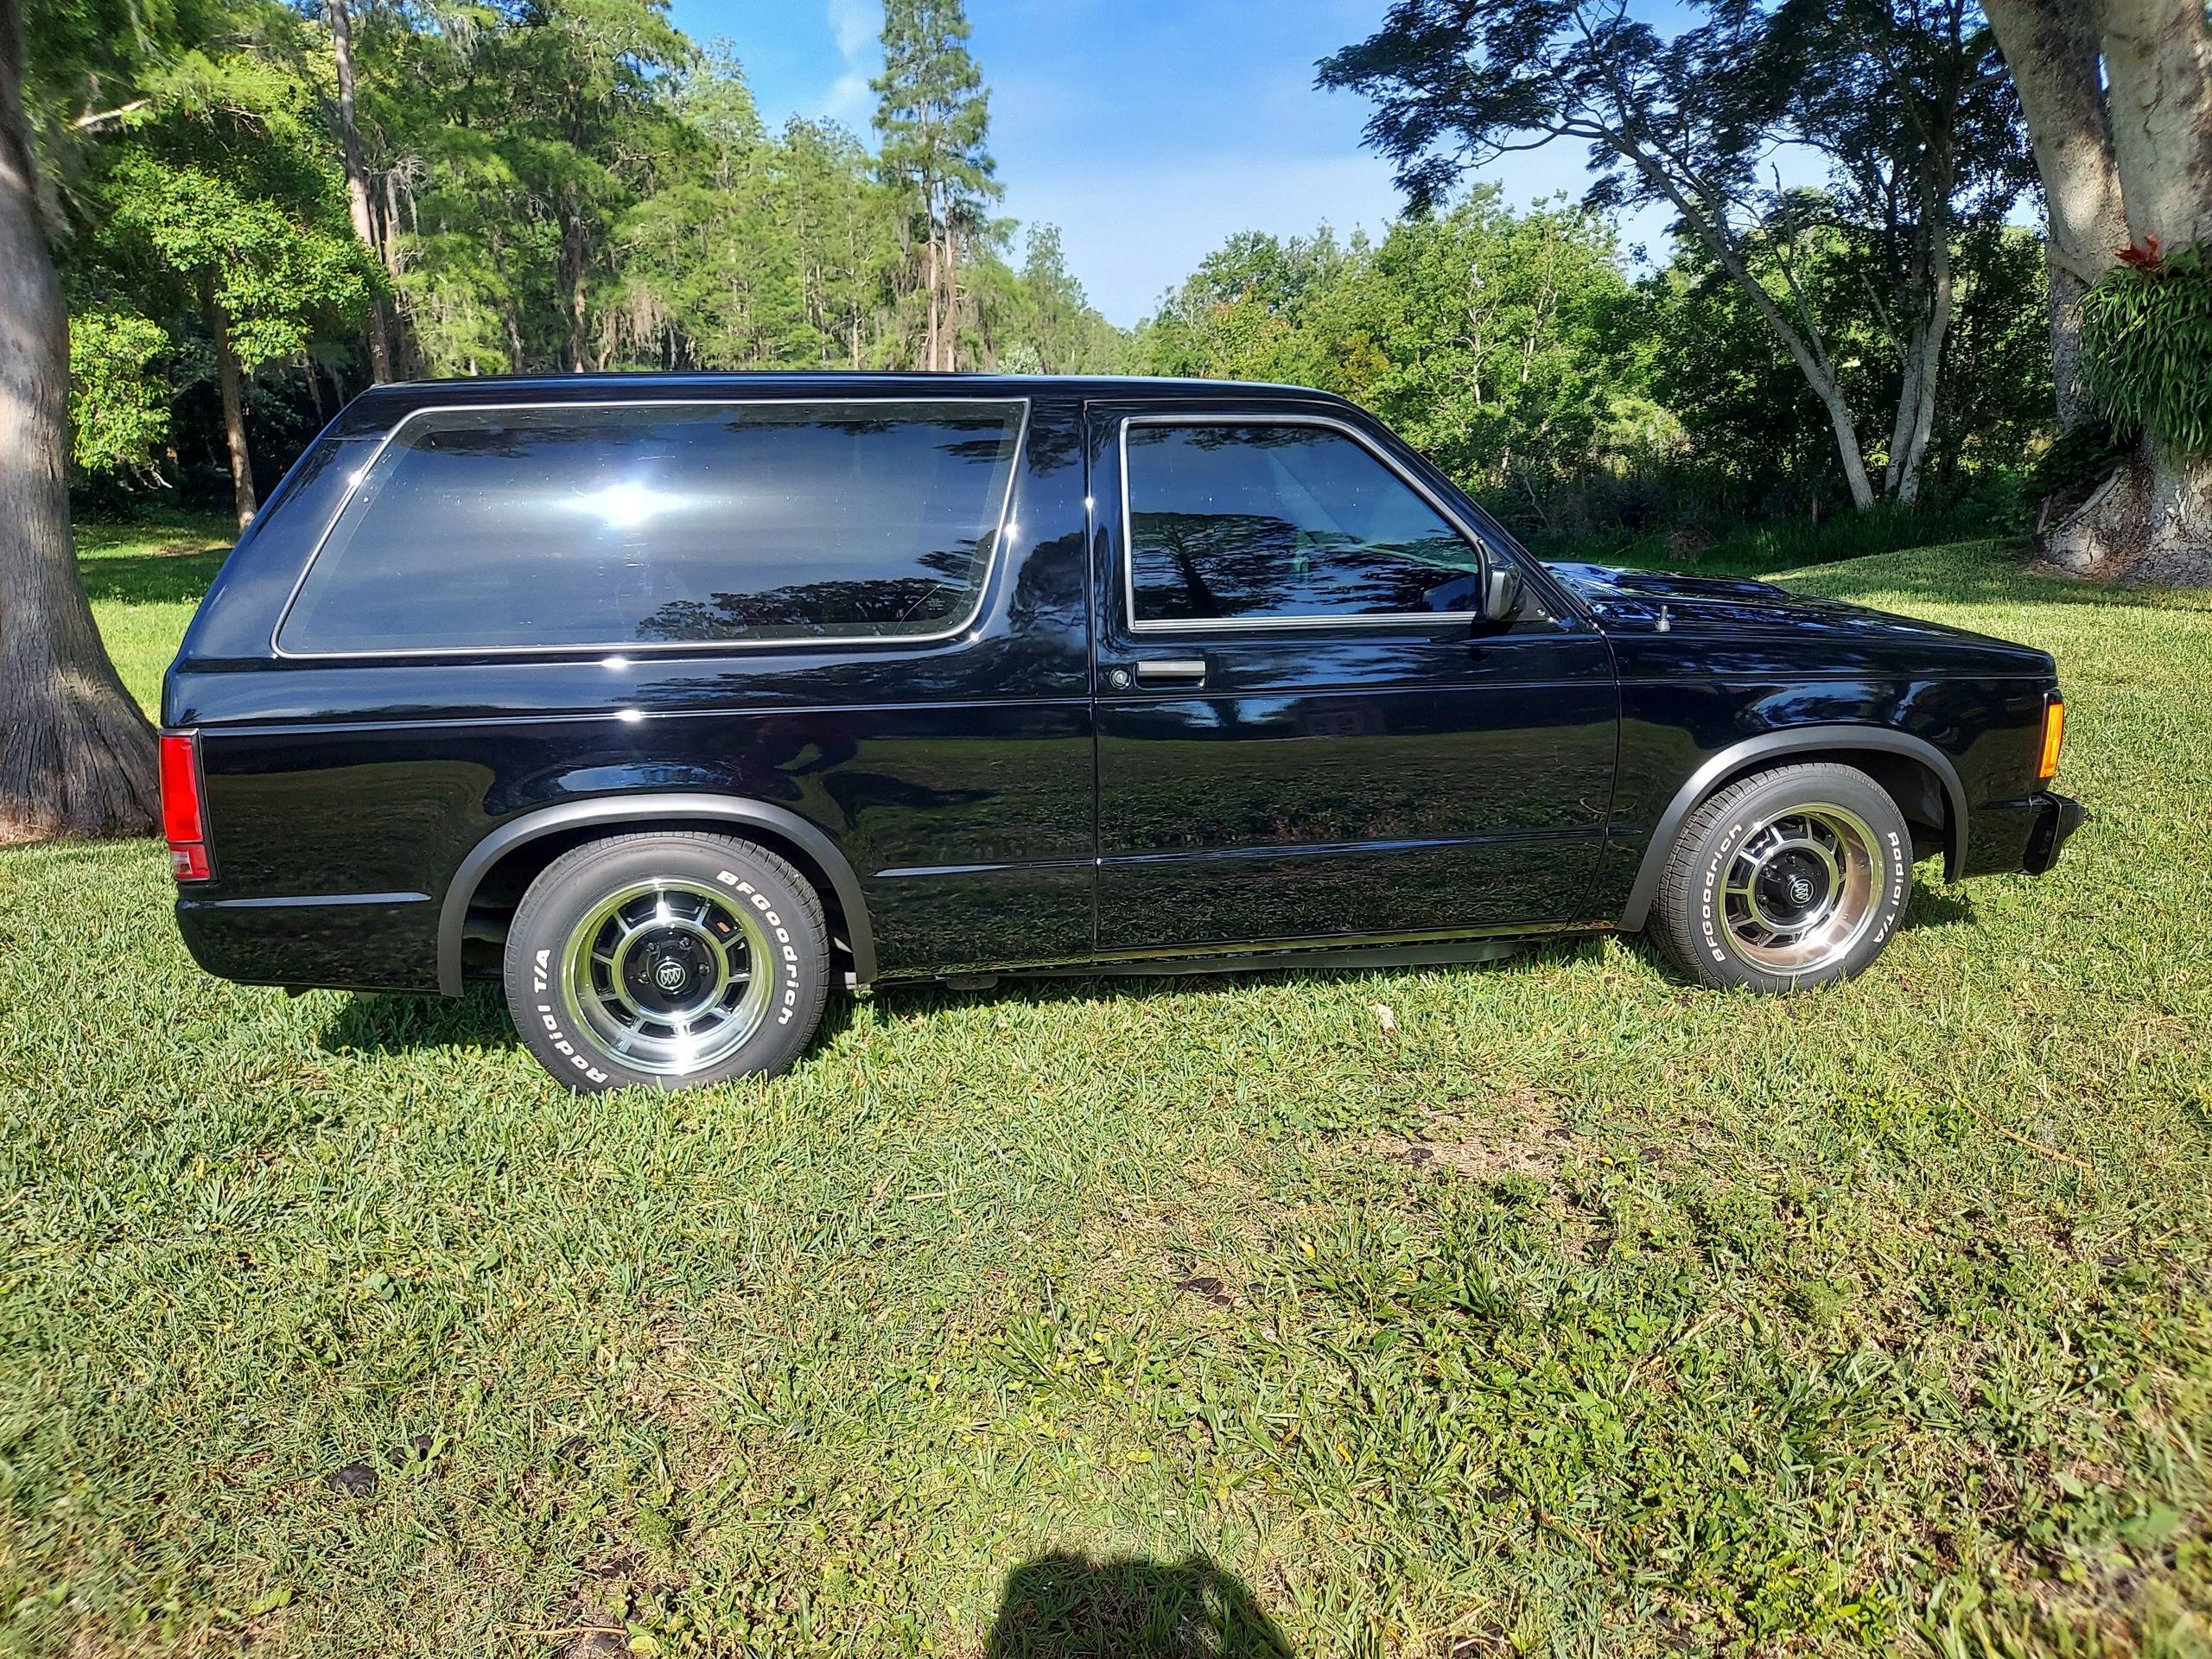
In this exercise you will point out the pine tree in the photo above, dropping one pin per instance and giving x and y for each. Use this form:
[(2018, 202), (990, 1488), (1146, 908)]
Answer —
[(933, 117)]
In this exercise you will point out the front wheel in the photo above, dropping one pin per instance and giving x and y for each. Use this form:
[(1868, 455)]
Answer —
[(1788, 879), (667, 961)]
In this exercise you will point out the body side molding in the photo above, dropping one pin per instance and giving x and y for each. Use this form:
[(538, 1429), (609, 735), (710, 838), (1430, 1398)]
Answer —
[(1780, 745), (633, 813)]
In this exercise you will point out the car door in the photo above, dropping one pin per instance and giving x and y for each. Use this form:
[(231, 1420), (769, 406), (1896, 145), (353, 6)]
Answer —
[(1305, 732)]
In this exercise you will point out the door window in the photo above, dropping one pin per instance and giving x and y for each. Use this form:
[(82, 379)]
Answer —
[(1259, 523)]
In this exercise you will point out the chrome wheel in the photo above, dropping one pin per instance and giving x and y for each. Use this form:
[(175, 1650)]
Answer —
[(1799, 892), (666, 977)]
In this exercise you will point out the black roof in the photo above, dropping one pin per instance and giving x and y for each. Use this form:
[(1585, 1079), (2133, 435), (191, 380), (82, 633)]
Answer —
[(381, 404)]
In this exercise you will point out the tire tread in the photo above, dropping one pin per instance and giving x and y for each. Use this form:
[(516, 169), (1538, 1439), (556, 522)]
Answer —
[(557, 878), (1677, 876)]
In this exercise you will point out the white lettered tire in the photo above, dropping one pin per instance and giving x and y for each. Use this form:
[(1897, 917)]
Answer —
[(1785, 879), (667, 960)]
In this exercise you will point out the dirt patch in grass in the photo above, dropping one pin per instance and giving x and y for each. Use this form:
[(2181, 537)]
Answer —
[(1530, 1142)]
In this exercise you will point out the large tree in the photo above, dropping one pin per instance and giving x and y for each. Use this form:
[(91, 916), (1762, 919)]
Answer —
[(261, 271), (76, 755), (1504, 345), (357, 173), (1911, 108), (934, 118), (705, 273), (2118, 95), (223, 203), (839, 216), (1687, 121), (1051, 328), (524, 136)]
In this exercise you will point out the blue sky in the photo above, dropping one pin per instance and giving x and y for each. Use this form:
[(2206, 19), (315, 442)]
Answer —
[(1148, 130)]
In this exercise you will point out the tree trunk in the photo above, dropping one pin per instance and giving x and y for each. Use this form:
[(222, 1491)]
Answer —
[(2151, 521), (952, 299), (1908, 409), (1809, 355), (1917, 412), (2180, 534), (2159, 94), (233, 389), (2118, 96), (76, 756), (2075, 405), (1911, 364), (1846, 436), (357, 178), (392, 222), (929, 329), (572, 280), (2157, 70), (2050, 46)]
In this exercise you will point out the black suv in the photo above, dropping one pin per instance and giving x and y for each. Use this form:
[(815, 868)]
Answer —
[(671, 700)]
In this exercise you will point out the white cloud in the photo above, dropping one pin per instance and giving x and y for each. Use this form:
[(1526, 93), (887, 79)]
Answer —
[(857, 26)]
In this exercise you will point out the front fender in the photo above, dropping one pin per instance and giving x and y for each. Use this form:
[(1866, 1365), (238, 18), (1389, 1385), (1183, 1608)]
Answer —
[(1841, 741)]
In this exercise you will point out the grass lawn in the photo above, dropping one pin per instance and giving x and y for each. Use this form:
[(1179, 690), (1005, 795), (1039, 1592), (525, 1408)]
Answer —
[(1586, 1313), (144, 580)]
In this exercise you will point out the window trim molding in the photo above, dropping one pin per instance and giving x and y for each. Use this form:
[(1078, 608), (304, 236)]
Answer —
[(1484, 552), (634, 647)]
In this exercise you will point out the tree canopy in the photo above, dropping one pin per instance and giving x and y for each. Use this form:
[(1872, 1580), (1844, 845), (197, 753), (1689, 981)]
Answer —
[(1903, 97), (260, 206), (540, 186)]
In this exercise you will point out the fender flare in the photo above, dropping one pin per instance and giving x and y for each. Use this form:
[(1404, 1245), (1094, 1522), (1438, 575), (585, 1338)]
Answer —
[(1768, 745), (646, 811)]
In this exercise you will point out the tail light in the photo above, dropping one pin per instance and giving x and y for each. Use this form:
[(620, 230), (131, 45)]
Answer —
[(183, 819), (2054, 737)]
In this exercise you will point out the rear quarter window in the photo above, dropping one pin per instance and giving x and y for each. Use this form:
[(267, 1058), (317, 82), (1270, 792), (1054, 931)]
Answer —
[(632, 524)]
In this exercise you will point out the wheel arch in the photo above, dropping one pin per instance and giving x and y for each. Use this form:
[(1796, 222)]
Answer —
[(572, 822), (1891, 758)]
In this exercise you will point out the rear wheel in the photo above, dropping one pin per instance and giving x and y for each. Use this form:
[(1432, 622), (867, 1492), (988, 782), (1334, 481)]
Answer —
[(667, 961), (1788, 879)]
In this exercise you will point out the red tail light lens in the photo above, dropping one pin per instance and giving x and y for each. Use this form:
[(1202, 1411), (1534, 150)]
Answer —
[(182, 819)]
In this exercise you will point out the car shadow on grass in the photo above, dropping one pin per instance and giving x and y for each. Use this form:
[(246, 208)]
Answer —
[(394, 1023), (1937, 907), (399, 1022), (1065, 1606)]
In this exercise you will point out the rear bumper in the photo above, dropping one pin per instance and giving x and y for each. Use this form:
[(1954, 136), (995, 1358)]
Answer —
[(362, 941), (2057, 817)]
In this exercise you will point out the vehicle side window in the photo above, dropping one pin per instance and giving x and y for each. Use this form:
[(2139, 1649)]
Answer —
[(1250, 522), (623, 524)]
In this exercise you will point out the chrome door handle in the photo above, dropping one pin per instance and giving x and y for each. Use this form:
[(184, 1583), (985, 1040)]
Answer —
[(1172, 670)]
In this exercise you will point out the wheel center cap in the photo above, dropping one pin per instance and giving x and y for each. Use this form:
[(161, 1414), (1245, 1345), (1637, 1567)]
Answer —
[(1791, 887), (670, 974)]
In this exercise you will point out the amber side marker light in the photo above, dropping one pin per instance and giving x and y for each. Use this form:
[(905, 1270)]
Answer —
[(182, 821), (2054, 737)]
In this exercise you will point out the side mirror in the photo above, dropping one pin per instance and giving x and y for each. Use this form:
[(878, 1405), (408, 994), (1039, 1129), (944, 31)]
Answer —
[(1501, 590)]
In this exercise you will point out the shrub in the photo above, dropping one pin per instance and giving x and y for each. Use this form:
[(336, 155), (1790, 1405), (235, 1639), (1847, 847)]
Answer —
[(2146, 345)]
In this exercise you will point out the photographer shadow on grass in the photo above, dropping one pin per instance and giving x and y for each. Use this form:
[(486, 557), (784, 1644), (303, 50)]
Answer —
[(1063, 1607)]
